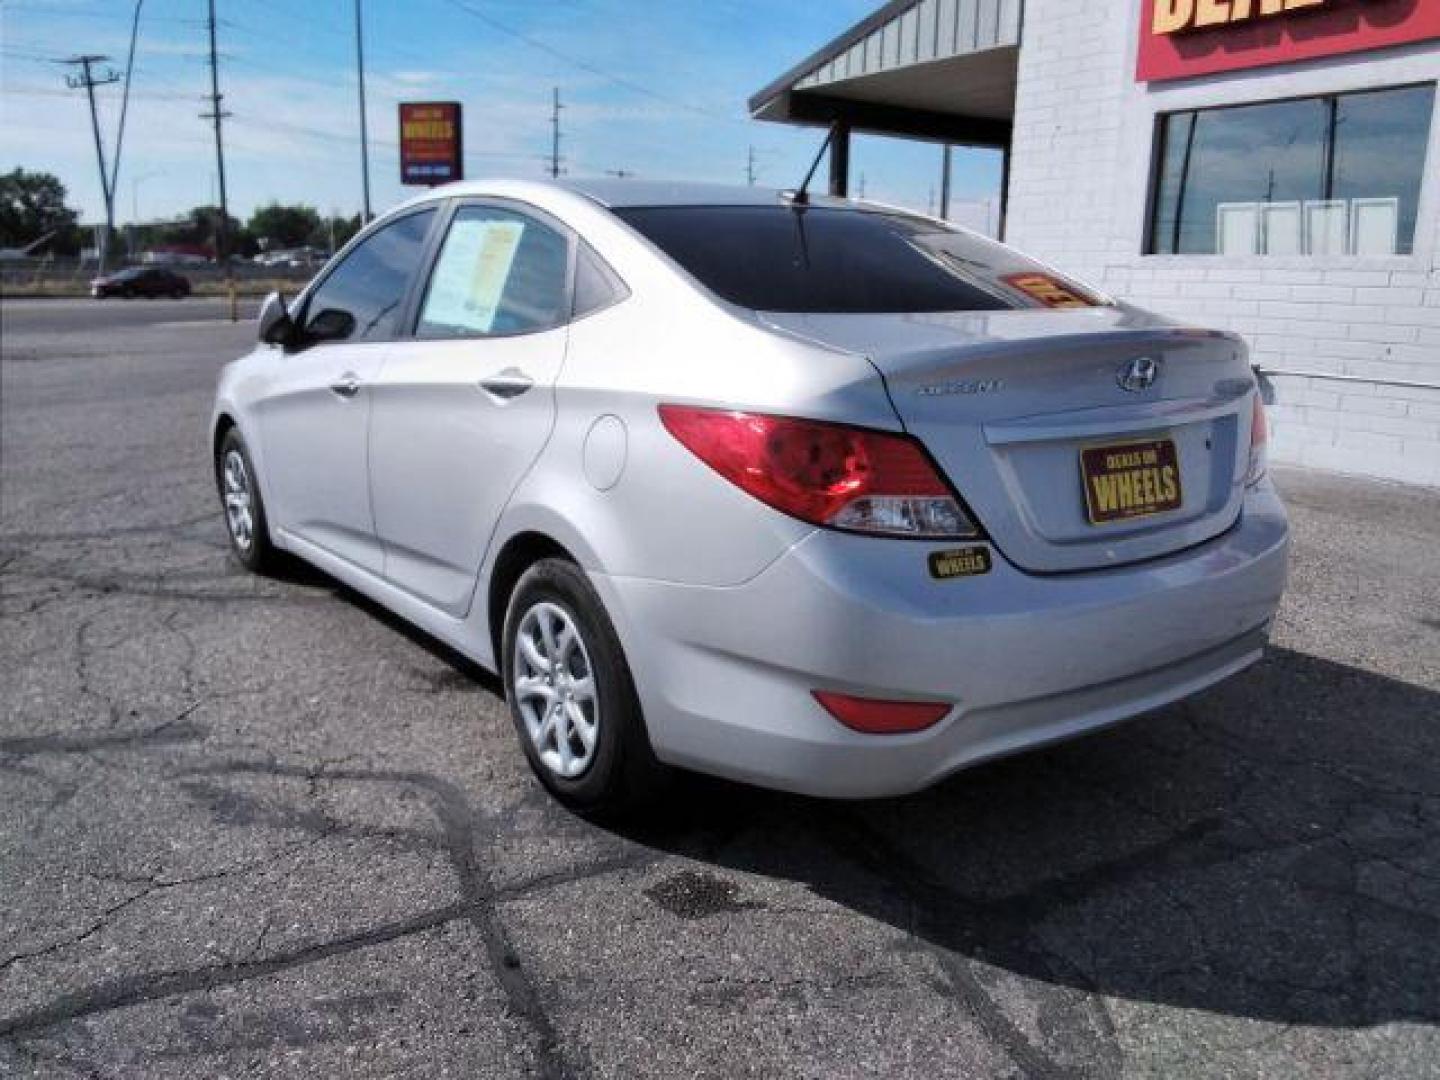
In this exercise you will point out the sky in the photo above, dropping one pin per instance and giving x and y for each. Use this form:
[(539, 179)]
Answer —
[(656, 88)]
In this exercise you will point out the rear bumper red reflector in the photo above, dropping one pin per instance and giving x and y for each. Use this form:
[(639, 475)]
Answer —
[(875, 717)]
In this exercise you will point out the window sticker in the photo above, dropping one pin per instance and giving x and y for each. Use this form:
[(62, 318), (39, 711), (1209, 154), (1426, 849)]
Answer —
[(471, 274), (1047, 290)]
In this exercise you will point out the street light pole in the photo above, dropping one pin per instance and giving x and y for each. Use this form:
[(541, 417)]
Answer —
[(364, 136)]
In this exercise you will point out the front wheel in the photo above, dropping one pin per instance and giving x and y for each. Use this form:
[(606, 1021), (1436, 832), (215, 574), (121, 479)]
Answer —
[(571, 695), (245, 521)]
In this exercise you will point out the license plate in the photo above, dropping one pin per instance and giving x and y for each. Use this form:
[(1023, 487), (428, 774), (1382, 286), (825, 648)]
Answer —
[(1130, 480)]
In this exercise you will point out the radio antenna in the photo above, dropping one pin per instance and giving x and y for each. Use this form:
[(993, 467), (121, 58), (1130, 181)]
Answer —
[(802, 196)]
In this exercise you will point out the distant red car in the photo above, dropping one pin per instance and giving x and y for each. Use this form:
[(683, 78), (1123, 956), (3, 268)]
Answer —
[(151, 281)]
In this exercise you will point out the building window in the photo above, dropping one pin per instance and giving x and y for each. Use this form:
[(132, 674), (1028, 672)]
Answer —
[(1333, 175)]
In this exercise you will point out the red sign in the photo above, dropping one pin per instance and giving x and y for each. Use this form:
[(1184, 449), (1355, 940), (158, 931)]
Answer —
[(1181, 38), (430, 150)]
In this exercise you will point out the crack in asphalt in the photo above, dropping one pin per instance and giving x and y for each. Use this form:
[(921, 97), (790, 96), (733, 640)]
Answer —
[(477, 910), (478, 906), (136, 990)]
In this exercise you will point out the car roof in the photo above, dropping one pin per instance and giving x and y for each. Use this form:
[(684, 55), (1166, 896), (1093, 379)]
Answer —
[(617, 194)]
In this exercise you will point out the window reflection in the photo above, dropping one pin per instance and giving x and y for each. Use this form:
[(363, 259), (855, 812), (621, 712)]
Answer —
[(1331, 175)]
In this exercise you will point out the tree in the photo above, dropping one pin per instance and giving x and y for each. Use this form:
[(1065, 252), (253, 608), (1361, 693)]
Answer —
[(277, 226), (198, 229), (342, 229), (33, 204)]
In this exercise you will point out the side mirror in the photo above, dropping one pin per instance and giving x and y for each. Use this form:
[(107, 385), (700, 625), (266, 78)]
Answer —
[(330, 324), (276, 327)]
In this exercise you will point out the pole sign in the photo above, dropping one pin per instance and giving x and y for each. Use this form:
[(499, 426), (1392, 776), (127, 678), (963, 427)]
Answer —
[(430, 148), (1182, 38)]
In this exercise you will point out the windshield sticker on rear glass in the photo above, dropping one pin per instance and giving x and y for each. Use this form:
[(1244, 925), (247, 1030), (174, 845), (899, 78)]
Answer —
[(1049, 291), (965, 562), (471, 273)]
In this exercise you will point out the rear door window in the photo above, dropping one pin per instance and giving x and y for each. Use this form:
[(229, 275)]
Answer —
[(831, 259)]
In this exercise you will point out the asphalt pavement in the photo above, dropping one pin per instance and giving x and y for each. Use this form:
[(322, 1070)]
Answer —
[(259, 827)]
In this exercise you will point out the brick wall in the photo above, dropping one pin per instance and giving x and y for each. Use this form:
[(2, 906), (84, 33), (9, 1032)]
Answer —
[(1078, 193)]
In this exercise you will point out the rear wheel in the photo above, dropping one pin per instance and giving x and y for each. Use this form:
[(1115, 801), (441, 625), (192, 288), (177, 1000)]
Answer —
[(245, 521), (571, 695)]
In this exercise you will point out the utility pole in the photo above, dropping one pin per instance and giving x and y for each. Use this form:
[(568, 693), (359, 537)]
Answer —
[(89, 80), (217, 115), (364, 135), (862, 185), (750, 168), (555, 134)]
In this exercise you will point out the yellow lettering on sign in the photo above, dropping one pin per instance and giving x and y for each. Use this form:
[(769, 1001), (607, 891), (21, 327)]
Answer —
[(1212, 12), (1173, 16), (1105, 500), (1168, 482), (429, 129)]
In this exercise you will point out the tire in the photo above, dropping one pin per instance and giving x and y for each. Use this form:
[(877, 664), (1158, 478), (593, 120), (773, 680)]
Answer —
[(251, 545), (619, 771)]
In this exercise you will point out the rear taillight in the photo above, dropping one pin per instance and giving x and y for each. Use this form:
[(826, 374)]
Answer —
[(1259, 443), (875, 717), (827, 474)]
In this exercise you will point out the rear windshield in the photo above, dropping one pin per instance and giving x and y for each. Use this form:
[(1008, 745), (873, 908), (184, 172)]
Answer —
[(827, 259)]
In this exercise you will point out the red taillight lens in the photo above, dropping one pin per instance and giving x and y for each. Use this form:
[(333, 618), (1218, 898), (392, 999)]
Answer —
[(875, 717), (1259, 442), (826, 474)]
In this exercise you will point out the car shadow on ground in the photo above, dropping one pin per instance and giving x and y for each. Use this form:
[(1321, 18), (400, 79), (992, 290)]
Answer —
[(1269, 851)]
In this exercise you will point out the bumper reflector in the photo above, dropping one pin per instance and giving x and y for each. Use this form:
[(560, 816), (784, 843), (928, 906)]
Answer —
[(875, 717)]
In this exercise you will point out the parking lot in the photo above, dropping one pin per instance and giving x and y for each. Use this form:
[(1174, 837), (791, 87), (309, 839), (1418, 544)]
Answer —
[(255, 826)]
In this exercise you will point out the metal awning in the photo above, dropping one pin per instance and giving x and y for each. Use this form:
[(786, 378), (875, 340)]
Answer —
[(931, 69)]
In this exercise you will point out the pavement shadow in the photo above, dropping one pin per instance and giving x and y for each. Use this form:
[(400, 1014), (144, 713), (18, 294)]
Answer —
[(1269, 851)]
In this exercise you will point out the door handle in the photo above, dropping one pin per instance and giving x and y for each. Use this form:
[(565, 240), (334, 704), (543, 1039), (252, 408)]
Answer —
[(347, 386), (510, 383)]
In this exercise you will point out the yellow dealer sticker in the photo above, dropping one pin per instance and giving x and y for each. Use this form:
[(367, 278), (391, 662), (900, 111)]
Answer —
[(966, 562)]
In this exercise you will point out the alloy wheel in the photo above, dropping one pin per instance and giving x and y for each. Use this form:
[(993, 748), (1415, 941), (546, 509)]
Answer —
[(237, 493), (554, 687)]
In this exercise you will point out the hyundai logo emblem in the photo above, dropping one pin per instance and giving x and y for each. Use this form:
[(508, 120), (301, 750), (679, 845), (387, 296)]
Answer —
[(1138, 374)]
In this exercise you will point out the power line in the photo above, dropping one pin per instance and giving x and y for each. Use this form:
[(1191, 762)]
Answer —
[(586, 66)]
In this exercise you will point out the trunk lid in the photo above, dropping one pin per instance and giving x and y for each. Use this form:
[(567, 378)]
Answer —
[(1012, 403)]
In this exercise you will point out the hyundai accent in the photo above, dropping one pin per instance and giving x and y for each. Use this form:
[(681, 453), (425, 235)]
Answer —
[(808, 493)]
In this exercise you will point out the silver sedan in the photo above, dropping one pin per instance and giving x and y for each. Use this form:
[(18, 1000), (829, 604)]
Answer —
[(813, 494)]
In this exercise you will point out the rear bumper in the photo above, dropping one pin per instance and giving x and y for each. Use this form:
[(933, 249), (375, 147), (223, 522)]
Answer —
[(726, 674)]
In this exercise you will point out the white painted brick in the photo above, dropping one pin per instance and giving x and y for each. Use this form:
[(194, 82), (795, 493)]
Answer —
[(1370, 405), (1368, 440), (1359, 278), (1389, 296), (1404, 427), (1329, 294)]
